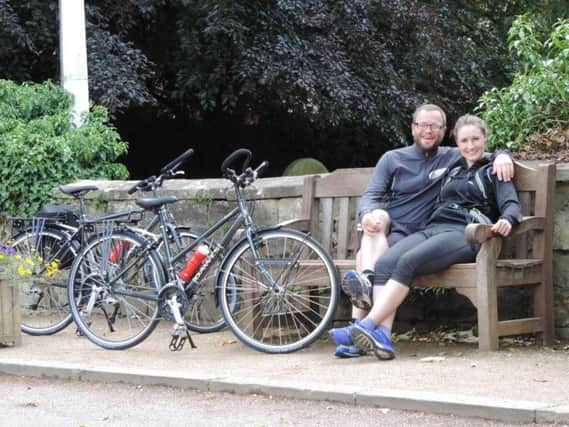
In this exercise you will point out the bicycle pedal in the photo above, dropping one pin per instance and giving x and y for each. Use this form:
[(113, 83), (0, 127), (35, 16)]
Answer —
[(177, 343)]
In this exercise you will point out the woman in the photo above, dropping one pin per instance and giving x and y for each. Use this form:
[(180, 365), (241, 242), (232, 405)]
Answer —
[(469, 193)]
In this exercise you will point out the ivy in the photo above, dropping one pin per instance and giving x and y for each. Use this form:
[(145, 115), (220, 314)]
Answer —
[(40, 148)]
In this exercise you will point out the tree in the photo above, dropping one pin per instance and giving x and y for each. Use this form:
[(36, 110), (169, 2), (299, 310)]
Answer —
[(336, 62), (119, 73), (330, 71)]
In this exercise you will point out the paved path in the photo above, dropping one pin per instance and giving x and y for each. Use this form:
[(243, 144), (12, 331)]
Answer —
[(523, 385)]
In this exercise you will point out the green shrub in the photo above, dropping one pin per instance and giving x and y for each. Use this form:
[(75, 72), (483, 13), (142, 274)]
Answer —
[(538, 98), (40, 148), (304, 166)]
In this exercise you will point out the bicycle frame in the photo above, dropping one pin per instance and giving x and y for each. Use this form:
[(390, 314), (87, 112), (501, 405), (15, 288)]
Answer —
[(238, 216)]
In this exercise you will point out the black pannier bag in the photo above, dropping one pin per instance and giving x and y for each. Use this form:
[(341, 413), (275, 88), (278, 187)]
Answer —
[(58, 212)]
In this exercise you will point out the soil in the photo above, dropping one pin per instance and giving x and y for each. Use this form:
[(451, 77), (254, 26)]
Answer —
[(552, 144)]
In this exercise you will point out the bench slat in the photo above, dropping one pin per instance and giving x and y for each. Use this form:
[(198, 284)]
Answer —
[(343, 227), (327, 223)]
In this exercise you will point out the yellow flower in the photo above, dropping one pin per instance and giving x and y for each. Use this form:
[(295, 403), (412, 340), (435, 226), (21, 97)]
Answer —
[(52, 268), (21, 270), (2, 256)]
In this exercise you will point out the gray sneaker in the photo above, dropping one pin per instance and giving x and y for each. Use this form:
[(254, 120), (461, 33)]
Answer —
[(358, 288)]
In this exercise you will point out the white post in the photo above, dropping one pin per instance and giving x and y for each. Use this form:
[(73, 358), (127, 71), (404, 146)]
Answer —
[(73, 55)]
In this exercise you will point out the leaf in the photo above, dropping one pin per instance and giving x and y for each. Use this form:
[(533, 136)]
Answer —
[(432, 359)]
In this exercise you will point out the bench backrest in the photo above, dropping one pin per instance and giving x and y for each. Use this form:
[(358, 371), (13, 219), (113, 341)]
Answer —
[(330, 202)]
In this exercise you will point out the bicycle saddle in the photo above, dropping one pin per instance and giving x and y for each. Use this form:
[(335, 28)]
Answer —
[(74, 189), (155, 202)]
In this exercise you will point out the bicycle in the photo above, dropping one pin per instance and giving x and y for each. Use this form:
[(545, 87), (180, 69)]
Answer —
[(56, 238), (277, 288), (50, 244)]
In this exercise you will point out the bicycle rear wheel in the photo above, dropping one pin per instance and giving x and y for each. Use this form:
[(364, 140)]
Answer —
[(43, 295), (284, 297), (113, 290)]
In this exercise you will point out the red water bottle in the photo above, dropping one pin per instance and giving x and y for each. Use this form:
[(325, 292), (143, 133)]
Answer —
[(194, 263)]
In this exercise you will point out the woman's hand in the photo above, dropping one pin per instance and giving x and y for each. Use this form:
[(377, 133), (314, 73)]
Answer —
[(502, 227)]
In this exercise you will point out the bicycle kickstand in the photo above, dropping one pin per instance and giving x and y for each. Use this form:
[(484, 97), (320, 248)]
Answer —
[(177, 342)]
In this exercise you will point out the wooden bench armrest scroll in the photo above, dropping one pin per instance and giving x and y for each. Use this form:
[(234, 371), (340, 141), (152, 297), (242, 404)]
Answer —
[(479, 233)]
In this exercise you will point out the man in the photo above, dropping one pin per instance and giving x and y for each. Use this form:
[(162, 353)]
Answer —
[(397, 202)]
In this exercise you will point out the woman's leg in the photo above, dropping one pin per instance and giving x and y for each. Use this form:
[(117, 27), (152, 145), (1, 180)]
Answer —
[(441, 249), (383, 270), (437, 252)]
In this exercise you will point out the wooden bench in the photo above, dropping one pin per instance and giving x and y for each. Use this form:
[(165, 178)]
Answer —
[(524, 259)]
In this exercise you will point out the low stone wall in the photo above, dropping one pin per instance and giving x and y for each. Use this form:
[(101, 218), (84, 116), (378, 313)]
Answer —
[(201, 202)]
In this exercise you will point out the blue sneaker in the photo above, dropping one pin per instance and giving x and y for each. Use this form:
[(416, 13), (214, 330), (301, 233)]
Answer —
[(376, 341), (358, 288), (348, 351), (342, 336)]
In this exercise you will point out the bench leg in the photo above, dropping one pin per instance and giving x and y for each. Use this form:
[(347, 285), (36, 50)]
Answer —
[(487, 295)]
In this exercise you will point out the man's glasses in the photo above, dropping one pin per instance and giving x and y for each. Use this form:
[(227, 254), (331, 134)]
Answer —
[(431, 126)]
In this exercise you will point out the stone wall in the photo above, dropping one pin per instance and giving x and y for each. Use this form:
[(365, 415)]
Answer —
[(201, 202)]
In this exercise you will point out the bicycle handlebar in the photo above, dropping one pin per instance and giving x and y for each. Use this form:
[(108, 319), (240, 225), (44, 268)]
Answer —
[(141, 184), (248, 175), (241, 152), (167, 171), (175, 164)]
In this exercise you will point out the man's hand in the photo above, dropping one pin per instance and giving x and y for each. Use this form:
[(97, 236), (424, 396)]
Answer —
[(375, 221), (502, 227), (503, 167)]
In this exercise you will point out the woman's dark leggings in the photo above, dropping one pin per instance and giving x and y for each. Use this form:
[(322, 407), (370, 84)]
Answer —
[(425, 252)]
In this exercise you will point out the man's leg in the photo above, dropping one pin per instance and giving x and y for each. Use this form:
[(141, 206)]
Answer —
[(372, 246)]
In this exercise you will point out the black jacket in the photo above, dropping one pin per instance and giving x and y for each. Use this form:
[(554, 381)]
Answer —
[(464, 189)]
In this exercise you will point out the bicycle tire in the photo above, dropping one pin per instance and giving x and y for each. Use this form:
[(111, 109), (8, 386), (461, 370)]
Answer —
[(204, 313), (288, 319), (43, 295), (113, 309)]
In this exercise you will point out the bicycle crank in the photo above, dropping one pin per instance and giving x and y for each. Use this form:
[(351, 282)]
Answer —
[(172, 303)]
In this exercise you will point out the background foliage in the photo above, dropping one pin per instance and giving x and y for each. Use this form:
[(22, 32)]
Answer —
[(331, 79), (538, 98), (40, 149)]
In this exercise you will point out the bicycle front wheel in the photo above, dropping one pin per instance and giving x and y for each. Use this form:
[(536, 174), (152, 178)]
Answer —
[(113, 290), (47, 255), (280, 295)]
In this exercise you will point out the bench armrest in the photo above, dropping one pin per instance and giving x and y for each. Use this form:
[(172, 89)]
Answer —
[(479, 233)]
